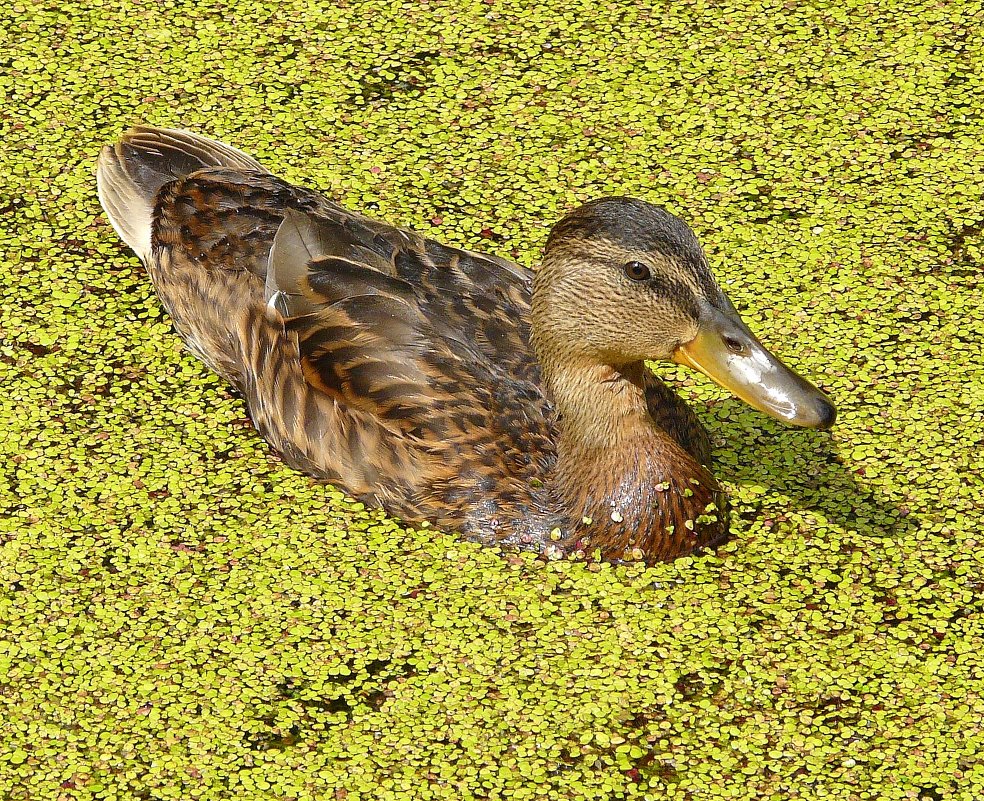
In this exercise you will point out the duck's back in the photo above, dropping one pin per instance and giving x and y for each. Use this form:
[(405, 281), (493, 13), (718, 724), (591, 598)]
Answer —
[(369, 356)]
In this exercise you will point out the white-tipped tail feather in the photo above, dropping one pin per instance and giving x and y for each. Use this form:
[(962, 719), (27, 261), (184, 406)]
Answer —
[(130, 173)]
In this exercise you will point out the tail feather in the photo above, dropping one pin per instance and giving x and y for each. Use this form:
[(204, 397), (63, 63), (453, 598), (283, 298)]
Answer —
[(130, 173)]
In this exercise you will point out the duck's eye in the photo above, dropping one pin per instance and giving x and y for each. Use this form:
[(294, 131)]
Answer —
[(734, 345), (637, 271)]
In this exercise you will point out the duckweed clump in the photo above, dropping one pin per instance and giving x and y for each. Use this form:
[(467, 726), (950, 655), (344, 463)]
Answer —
[(185, 618)]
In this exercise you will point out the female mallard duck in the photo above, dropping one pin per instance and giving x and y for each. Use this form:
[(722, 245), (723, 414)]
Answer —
[(448, 386)]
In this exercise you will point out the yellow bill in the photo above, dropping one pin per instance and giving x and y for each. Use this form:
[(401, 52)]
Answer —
[(728, 353)]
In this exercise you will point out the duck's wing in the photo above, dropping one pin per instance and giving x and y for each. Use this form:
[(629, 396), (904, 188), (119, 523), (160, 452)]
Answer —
[(393, 325), (359, 332), (405, 364), (480, 302)]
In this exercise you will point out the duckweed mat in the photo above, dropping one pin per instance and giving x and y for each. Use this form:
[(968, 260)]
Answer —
[(185, 618)]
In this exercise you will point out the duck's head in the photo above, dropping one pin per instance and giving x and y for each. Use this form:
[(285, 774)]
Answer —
[(624, 281)]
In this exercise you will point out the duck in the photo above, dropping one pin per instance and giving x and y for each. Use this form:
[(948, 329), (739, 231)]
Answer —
[(452, 388)]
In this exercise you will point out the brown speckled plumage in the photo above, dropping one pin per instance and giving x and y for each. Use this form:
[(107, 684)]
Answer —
[(404, 371)]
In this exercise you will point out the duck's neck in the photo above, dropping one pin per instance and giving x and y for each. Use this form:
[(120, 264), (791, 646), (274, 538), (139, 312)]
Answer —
[(638, 492), (601, 406)]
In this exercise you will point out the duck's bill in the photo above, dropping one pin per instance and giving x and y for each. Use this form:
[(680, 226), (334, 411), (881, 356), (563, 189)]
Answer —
[(729, 354)]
